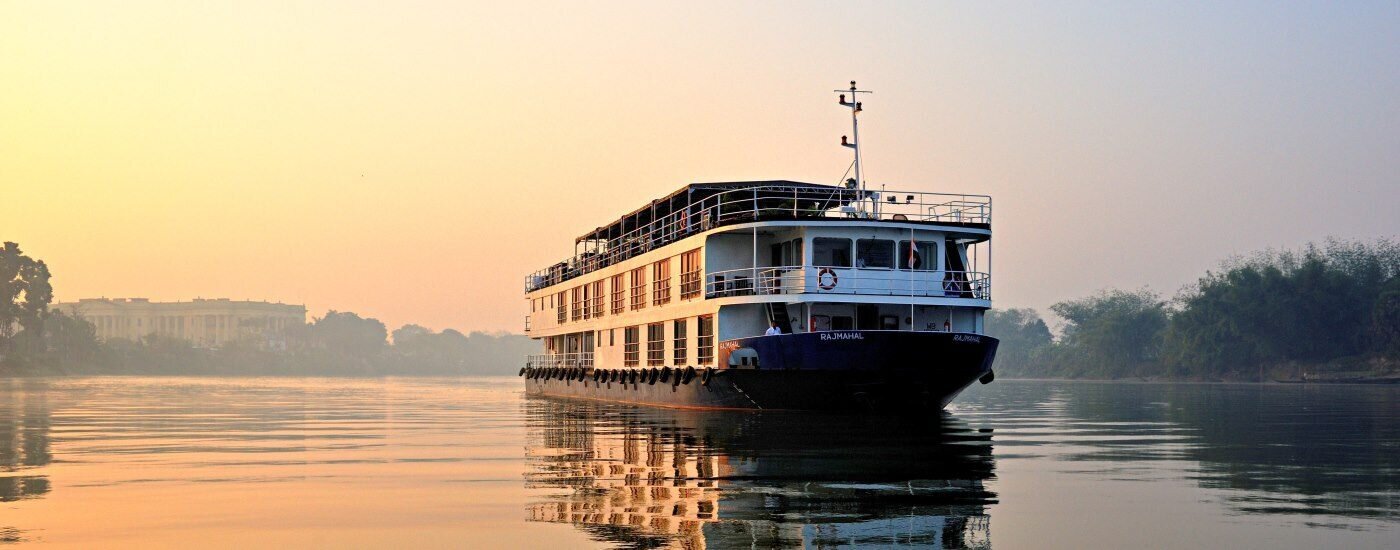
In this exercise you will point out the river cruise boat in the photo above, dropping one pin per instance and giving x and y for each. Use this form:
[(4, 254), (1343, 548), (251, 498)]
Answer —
[(772, 295)]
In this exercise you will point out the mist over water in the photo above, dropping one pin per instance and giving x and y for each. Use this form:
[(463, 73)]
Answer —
[(454, 462)]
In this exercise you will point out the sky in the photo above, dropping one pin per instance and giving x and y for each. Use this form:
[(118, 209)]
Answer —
[(413, 161)]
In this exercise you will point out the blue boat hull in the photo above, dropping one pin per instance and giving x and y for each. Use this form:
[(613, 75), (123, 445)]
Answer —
[(881, 371)]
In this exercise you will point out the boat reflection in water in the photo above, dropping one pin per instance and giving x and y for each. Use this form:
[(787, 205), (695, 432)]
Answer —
[(647, 477)]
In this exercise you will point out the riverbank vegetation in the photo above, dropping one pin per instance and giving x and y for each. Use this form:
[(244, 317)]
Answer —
[(1325, 312)]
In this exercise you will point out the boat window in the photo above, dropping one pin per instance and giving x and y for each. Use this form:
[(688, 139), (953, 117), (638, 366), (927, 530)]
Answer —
[(843, 322), (925, 256), (690, 274), (587, 301), (661, 282), (679, 333), (639, 288), (629, 346), (705, 339), (821, 323), (598, 298), (827, 251), (619, 298), (787, 253), (656, 342), (874, 253)]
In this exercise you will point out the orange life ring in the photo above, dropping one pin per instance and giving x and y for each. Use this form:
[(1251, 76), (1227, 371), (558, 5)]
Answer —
[(822, 282)]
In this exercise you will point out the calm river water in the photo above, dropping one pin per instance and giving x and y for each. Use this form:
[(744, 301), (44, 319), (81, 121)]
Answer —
[(471, 463)]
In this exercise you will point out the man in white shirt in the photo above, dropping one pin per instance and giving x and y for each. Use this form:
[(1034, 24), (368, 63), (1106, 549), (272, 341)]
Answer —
[(772, 330)]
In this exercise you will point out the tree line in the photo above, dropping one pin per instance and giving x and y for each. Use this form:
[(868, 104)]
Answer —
[(37, 340), (1324, 311)]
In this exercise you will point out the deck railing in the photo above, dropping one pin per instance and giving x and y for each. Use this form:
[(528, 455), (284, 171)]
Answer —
[(766, 203), (559, 360), (848, 280)]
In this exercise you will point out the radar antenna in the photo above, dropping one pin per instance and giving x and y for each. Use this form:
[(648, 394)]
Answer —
[(855, 105)]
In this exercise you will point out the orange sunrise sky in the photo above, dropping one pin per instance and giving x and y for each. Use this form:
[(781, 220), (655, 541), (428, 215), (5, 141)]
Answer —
[(413, 161)]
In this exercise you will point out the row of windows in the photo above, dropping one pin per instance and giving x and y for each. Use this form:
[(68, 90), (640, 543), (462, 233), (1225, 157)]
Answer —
[(873, 253), (656, 342), (628, 291)]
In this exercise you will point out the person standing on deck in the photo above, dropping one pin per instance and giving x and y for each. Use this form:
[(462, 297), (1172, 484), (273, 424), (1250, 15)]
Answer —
[(773, 329)]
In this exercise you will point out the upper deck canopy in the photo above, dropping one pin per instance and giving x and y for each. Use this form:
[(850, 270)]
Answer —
[(766, 195), (700, 207)]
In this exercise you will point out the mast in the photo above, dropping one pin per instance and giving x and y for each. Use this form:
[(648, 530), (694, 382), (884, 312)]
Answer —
[(855, 105)]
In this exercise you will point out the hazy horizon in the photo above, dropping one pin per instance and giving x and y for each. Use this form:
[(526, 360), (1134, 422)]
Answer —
[(414, 162)]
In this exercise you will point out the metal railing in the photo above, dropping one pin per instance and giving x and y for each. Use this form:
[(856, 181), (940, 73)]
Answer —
[(848, 280), (559, 360), (767, 203)]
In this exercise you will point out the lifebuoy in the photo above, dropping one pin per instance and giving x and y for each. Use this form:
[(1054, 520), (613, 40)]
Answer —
[(821, 278)]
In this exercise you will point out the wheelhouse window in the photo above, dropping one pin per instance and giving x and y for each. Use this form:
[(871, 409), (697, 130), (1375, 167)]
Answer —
[(875, 253), (630, 346), (705, 339), (656, 344), (690, 274), (925, 256), (661, 282), (619, 295), (787, 253), (679, 343), (639, 288), (827, 251)]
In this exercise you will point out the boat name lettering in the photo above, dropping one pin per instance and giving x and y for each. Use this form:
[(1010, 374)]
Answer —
[(842, 336), (967, 338)]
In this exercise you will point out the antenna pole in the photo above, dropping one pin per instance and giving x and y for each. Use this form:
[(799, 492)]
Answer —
[(855, 105), (855, 136)]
